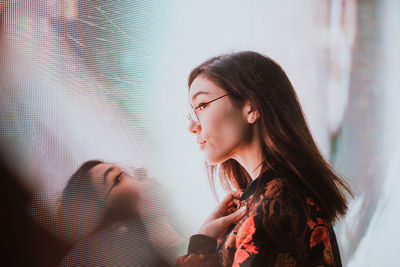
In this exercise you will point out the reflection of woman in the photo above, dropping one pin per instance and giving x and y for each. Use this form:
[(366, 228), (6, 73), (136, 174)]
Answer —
[(249, 123), (87, 204), (103, 214)]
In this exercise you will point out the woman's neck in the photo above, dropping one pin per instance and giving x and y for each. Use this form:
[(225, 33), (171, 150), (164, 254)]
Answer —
[(251, 157)]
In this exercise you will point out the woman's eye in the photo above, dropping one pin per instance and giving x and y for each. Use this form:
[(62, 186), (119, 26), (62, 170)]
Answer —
[(201, 106), (118, 178)]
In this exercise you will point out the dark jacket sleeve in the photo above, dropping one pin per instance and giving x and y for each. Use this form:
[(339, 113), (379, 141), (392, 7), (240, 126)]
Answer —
[(201, 252)]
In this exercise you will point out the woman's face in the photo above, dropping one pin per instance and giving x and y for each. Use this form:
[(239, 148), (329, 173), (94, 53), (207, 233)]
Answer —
[(223, 129), (118, 188)]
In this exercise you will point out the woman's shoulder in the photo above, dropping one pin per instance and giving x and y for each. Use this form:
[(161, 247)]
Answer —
[(285, 223), (283, 206), (287, 196), (280, 189), (277, 192)]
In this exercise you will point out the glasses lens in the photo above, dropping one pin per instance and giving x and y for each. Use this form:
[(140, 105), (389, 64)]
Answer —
[(192, 115)]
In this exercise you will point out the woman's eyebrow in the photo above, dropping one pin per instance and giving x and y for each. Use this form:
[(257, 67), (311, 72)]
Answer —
[(106, 173), (199, 93)]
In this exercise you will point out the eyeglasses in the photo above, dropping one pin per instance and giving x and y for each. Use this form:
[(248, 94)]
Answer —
[(192, 111)]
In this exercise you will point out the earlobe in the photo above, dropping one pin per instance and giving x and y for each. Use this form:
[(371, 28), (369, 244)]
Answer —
[(252, 116), (251, 113)]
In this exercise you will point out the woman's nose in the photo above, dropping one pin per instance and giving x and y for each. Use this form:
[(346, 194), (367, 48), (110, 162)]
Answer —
[(193, 126)]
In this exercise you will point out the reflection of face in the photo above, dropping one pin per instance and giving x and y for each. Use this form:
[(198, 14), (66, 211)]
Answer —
[(124, 189), (223, 128)]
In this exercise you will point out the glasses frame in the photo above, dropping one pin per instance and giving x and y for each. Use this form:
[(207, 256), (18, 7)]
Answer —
[(192, 111)]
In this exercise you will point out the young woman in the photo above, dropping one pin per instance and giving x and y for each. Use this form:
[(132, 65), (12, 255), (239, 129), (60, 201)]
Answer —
[(249, 123)]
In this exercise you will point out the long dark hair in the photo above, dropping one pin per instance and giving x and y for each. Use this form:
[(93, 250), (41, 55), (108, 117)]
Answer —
[(283, 130), (80, 207)]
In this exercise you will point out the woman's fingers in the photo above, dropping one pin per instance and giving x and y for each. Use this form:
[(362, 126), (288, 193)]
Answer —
[(217, 227), (234, 217), (236, 202), (224, 215), (238, 194), (233, 206), (226, 206), (229, 197), (233, 198), (221, 224)]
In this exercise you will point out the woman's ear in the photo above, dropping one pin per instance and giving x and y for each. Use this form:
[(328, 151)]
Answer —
[(251, 113), (253, 117)]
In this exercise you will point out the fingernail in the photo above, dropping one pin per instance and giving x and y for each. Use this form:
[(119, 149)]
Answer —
[(243, 209)]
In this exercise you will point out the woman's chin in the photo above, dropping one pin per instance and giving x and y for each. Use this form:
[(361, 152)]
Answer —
[(210, 162), (213, 160)]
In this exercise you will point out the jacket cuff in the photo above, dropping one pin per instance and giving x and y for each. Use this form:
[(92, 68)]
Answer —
[(202, 244)]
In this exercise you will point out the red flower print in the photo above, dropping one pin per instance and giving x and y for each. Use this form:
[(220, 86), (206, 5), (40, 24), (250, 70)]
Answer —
[(246, 232), (311, 223), (310, 201), (251, 248), (273, 188), (243, 242), (319, 235), (240, 256), (328, 255)]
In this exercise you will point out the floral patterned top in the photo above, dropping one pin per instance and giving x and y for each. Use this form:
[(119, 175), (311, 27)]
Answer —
[(281, 228)]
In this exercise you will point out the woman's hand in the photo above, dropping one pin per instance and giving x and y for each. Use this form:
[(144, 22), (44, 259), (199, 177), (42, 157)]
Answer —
[(224, 215)]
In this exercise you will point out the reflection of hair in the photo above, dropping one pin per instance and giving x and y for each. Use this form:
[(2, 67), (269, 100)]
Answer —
[(80, 206), (80, 183), (287, 141)]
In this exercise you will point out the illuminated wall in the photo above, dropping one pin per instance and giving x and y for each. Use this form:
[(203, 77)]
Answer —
[(107, 80)]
